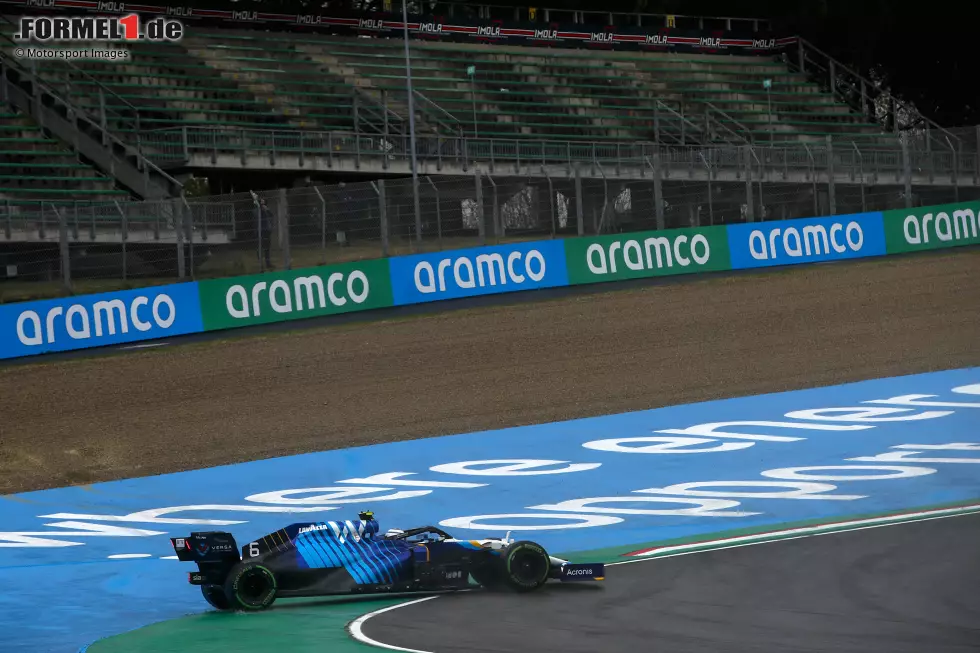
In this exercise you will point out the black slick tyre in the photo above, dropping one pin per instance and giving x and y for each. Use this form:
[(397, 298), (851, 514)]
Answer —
[(250, 586), (215, 595), (525, 566)]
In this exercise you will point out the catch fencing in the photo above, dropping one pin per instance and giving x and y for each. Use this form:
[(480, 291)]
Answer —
[(48, 249)]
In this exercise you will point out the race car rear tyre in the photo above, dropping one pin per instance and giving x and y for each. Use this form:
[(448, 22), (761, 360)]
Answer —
[(215, 595), (526, 566), (250, 586)]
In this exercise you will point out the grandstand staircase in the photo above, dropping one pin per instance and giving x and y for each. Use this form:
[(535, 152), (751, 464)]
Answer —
[(86, 135), (430, 118), (37, 167)]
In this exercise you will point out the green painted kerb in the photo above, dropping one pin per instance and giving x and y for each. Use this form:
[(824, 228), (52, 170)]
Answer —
[(646, 254), (295, 294), (301, 625), (932, 227)]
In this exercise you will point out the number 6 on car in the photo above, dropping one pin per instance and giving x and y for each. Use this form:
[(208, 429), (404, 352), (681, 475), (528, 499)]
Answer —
[(350, 557)]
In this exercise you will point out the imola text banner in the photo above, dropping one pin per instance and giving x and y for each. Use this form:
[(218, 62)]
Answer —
[(478, 271), (86, 321), (807, 240)]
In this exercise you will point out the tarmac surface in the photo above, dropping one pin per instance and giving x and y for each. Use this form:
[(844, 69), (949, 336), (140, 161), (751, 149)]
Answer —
[(909, 588), (185, 406)]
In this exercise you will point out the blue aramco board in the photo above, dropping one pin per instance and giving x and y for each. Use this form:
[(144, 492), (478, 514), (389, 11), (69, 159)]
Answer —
[(86, 321), (478, 271), (807, 240)]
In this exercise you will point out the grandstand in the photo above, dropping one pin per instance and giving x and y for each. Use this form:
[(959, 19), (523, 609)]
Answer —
[(232, 78), (328, 105), (35, 165)]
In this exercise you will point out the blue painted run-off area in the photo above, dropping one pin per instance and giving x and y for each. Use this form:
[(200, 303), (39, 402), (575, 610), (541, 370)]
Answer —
[(58, 598)]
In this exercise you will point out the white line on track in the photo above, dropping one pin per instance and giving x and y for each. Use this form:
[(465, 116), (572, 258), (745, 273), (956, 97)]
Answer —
[(798, 533), (355, 627), (783, 539), (145, 346)]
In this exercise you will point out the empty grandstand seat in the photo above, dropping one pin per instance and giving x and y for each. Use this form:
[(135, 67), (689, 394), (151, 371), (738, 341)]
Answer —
[(35, 167), (226, 79)]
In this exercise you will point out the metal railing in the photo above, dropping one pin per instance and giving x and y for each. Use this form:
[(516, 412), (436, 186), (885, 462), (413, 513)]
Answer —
[(872, 101), (888, 157), (84, 247), (103, 110), (79, 117), (444, 122)]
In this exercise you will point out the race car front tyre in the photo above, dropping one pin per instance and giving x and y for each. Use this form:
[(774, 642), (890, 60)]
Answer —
[(215, 595), (526, 566), (250, 586)]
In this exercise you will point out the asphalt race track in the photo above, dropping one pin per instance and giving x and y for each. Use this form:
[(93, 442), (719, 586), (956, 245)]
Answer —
[(906, 588)]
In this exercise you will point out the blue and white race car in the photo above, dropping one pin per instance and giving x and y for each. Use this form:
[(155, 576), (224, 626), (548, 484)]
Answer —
[(350, 557)]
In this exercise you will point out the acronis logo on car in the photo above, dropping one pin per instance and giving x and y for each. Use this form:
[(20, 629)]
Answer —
[(579, 572)]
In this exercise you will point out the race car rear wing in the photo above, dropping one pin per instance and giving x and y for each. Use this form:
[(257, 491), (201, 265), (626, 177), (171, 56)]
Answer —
[(214, 546), (214, 552)]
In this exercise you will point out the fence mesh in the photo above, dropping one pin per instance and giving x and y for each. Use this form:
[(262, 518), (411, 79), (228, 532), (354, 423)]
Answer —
[(49, 249)]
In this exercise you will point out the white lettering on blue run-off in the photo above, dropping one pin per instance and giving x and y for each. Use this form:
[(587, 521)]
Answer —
[(841, 428), (823, 455)]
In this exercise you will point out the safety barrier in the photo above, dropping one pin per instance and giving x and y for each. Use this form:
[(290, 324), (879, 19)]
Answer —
[(86, 321)]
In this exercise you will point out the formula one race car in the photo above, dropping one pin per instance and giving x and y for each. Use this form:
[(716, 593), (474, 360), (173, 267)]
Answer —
[(350, 557)]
